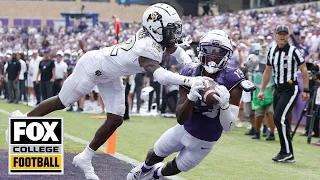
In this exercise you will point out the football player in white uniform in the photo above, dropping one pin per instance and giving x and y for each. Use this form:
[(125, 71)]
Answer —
[(200, 126), (161, 28)]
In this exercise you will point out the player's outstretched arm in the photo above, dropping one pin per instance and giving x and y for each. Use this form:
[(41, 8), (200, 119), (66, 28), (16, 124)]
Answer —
[(164, 76)]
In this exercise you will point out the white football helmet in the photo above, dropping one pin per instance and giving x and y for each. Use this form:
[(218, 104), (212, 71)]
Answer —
[(163, 23), (215, 44)]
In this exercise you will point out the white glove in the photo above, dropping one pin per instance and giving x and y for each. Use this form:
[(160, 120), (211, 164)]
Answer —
[(194, 91), (223, 97), (186, 41), (189, 81)]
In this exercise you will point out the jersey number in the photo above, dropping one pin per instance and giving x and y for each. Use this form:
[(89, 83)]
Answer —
[(239, 73), (124, 46), (211, 113)]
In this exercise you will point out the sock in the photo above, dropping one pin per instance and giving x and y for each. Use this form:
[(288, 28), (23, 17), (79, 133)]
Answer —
[(157, 173), (145, 167), (271, 134), (88, 152)]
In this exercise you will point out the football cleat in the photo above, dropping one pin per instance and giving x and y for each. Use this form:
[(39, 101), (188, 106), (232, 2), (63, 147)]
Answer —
[(86, 166), (137, 173), (16, 113), (151, 176)]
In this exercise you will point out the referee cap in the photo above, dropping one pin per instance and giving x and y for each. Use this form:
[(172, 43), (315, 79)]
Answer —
[(281, 28)]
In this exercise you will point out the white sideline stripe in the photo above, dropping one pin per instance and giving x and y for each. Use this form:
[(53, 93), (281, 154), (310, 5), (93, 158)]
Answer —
[(102, 148)]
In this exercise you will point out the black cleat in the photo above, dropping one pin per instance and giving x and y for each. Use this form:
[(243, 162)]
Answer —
[(271, 137), (251, 132), (281, 157), (256, 136)]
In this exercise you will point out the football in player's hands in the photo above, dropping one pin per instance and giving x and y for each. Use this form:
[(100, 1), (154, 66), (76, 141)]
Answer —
[(208, 92)]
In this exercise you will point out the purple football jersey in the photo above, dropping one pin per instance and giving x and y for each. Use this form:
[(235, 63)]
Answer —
[(204, 123)]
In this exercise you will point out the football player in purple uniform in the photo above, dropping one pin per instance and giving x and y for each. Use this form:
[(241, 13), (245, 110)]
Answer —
[(199, 126)]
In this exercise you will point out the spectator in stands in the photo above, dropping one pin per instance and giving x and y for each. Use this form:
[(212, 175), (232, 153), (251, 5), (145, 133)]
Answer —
[(47, 71), (2, 62), (33, 71), (157, 88), (61, 73), (130, 86), (29, 83), (22, 83), (263, 109), (139, 84), (13, 69)]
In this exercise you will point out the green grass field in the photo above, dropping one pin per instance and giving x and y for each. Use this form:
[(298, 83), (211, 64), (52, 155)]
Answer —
[(235, 156)]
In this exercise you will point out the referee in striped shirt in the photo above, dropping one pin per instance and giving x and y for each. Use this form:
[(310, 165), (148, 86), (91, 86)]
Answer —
[(284, 60)]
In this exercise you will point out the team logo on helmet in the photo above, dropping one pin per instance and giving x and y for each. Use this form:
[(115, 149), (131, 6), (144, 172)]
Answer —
[(155, 16)]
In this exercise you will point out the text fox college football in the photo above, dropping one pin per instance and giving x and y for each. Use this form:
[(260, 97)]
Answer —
[(36, 146)]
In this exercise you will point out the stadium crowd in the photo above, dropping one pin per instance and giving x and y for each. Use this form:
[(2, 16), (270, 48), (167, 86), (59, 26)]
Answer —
[(34, 62)]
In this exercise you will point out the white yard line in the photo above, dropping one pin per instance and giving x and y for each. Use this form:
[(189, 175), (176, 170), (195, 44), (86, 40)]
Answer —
[(102, 148)]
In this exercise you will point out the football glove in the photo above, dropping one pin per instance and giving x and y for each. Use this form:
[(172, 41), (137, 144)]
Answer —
[(222, 97), (194, 94), (190, 80)]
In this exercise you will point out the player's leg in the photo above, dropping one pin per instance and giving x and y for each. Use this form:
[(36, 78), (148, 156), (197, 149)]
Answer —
[(167, 144), (190, 156), (113, 96), (78, 84)]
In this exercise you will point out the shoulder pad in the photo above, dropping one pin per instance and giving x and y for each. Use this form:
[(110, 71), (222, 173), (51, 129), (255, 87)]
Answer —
[(247, 86), (230, 77)]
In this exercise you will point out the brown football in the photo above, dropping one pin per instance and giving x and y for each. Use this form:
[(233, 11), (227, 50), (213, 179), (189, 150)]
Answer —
[(208, 92)]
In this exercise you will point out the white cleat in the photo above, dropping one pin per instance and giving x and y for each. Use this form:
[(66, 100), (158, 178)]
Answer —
[(7, 135), (136, 173), (150, 175), (16, 113), (86, 166)]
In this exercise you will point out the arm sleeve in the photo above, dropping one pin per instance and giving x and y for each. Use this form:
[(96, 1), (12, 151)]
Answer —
[(166, 77), (228, 117)]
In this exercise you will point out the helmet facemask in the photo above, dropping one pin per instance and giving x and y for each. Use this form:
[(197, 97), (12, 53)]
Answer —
[(214, 51), (171, 34)]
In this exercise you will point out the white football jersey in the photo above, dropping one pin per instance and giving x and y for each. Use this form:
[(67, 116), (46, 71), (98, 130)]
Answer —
[(122, 59)]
